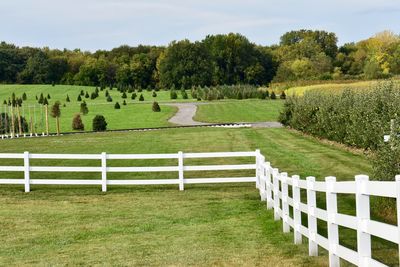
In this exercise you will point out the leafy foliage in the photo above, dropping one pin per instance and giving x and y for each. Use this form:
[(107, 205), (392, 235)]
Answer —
[(99, 123)]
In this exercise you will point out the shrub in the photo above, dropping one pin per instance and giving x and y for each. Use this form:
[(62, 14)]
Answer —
[(133, 97), (84, 108), (184, 94), (82, 93), (93, 95), (99, 123), (239, 96), (67, 99), (45, 102), (154, 94), (283, 95), (79, 99), (273, 95), (109, 98), (24, 96), (124, 95), (41, 99), (124, 103), (173, 94), (107, 93), (117, 106), (48, 96), (5, 102), (77, 123), (141, 98), (156, 107), (87, 94)]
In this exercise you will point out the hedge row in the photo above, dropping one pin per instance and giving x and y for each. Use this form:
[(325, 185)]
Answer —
[(357, 118)]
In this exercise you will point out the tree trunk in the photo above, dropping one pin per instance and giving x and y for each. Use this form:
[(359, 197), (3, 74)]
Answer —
[(58, 125)]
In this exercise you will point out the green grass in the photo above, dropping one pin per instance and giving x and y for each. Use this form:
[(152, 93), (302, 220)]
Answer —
[(135, 114), (240, 111), (158, 225)]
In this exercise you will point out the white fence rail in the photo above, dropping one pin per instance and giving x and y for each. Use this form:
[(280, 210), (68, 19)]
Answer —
[(273, 186), (103, 169), (274, 189)]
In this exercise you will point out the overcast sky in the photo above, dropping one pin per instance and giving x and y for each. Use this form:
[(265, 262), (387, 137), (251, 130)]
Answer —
[(104, 24)]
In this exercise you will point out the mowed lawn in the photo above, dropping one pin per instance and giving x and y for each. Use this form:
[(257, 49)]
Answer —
[(158, 225), (239, 111)]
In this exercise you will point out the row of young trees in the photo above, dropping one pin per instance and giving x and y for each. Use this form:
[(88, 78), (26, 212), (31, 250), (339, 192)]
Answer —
[(216, 60)]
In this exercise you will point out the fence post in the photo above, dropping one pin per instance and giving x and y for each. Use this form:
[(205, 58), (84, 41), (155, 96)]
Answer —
[(104, 172), (275, 174), (285, 204), (268, 185), (312, 219), (296, 210), (26, 172), (258, 168), (398, 209), (262, 177), (180, 170), (333, 229), (363, 216)]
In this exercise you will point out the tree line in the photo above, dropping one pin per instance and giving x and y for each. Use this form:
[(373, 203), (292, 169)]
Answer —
[(216, 60)]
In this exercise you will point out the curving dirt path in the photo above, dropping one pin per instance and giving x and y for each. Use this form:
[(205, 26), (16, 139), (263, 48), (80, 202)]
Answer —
[(186, 112)]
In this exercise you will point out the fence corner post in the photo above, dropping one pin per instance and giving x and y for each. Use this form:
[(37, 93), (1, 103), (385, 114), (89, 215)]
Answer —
[(296, 209), (275, 178), (26, 172), (104, 172), (311, 217), (180, 170), (398, 209), (258, 154), (333, 229), (285, 203)]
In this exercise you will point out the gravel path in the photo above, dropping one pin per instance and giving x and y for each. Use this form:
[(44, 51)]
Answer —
[(186, 112)]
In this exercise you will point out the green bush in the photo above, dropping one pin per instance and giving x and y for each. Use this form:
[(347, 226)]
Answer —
[(84, 108), (24, 96), (67, 99), (87, 94), (133, 97), (273, 95), (124, 103), (124, 95), (141, 98), (154, 94), (173, 94), (283, 95), (156, 107), (109, 98), (117, 106), (99, 123), (184, 94), (79, 99)]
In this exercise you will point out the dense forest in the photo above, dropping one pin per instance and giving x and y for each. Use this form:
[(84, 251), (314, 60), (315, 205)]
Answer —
[(216, 60)]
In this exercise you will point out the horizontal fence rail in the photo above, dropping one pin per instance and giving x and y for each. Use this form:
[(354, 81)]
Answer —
[(274, 190), (280, 192), (103, 169)]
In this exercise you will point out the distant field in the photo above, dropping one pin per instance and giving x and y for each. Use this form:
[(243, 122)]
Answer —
[(240, 111), (333, 86)]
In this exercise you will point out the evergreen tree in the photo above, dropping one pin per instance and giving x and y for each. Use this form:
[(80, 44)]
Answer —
[(117, 106), (124, 103), (154, 94), (141, 98), (67, 99), (156, 107), (99, 123), (87, 94), (273, 95), (48, 96), (283, 95), (24, 96), (45, 102), (124, 95), (109, 98), (84, 108), (77, 123), (79, 99), (133, 97)]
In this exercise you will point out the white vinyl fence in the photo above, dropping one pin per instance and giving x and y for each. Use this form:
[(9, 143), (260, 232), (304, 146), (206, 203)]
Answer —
[(274, 189), (272, 184)]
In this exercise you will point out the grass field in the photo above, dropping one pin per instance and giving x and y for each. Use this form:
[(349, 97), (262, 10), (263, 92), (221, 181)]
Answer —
[(158, 225), (239, 111), (299, 90)]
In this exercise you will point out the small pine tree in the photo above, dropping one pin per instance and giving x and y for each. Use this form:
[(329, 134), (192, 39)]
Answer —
[(41, 99), (53, 84), (5, 102), (141, 98), (84, 108), (154, 94), (77, 123), (133, 97), (283, 95), (93, 95), (124, 103), (67, 99), (156, 107), (82, 93), (173, 94), (184, 94), (107, 93), (109, 98), (117, 106), (124, 95), (239, 96), (99, 123), (45, 102), (36, 97), (79, 99), (48, 96), (24, 96), (273, 95), (87, 94)]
